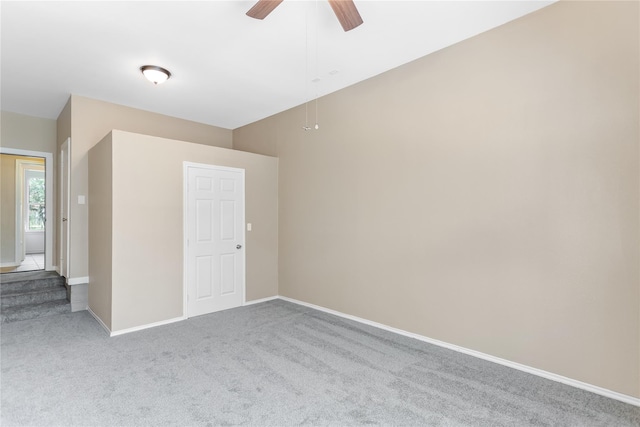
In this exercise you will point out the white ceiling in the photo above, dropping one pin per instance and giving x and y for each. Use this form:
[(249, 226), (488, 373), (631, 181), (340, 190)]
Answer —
[(228, 69)]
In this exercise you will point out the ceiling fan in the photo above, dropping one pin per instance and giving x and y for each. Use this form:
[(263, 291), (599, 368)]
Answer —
[(345, 11)]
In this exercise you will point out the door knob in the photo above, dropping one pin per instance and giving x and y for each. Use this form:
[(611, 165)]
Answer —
[(238, 246), (64, 219)]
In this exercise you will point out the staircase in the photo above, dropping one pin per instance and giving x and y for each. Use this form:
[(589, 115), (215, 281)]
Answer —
[(32, 294)]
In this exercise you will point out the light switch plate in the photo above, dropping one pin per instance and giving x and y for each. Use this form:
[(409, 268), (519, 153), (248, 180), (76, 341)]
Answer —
[(248, 226), (81, 200)]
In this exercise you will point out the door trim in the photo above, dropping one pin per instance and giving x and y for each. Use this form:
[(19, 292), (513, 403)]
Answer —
[(67, 165), (185, 229), (48, 199), (23, 166)]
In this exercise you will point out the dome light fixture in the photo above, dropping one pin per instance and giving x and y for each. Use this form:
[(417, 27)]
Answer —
[(155, 74)]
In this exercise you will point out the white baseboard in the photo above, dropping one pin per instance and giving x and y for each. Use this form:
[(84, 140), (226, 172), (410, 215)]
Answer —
[(77, 280), (147, 326), (99, 320), (134, 329), (13, 264), (258, 301), (150, 325), (9, 264), (535, 371)]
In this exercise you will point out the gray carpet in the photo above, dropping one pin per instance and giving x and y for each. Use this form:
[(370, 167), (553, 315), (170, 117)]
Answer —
[(274, 363)]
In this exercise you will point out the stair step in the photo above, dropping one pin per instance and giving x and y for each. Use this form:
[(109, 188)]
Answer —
[(33, 311), (26, 275), (33, 294), (27, 285), (36, 296)]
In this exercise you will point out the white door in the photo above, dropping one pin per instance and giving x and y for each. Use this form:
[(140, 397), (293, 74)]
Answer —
[(215, 276), (65, 182)]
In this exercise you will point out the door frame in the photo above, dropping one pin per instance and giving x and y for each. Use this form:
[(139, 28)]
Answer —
[(65, 166), (23, 167), (185, 228), (48, 199)]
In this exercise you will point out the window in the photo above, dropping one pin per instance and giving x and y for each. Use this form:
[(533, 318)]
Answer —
[(35, 197)]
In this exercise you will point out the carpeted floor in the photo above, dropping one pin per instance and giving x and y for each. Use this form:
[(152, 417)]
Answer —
[(271, 364)]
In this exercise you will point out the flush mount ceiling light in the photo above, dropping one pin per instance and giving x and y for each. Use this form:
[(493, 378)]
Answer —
[(155, 74)]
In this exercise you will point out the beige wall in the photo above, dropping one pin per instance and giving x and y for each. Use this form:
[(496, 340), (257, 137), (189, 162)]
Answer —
[(486, 195), (63, 132), (21, 132), (147, 206), (90, 121), (100, 234), (27, 132), (8, 209), (63, 125)]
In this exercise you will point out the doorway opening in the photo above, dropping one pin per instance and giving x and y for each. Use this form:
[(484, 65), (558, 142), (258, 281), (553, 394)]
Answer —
[(26, 226)]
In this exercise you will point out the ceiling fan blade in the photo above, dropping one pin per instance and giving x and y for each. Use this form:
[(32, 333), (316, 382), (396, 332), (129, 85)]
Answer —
[(347, 13), (261, 9)]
